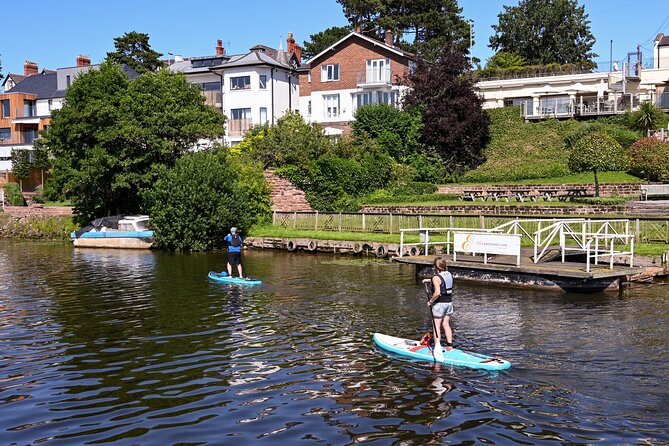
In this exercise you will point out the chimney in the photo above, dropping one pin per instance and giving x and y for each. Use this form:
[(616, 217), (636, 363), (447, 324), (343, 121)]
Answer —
[(292, 47), (220, 51), (83, 61), (389, 37), (30, 68), (358, 30)]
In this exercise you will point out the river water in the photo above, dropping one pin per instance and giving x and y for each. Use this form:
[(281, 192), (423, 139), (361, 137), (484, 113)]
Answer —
[(102, 346)]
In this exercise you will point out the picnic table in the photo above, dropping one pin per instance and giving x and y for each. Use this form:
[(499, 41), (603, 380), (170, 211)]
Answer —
[(472, 195), (573, 193), (522, 194), (549, 194), (497, 194)]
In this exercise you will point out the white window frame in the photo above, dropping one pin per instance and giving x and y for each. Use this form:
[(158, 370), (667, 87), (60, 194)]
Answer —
[(234, 80), (331, 106), (263, 119), (330, 72), (378, 70), (260, 82)]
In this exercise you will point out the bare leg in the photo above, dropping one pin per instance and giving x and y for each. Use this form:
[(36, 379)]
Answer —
[(239, 270), (437, 325), (447, 330), (229, 270)]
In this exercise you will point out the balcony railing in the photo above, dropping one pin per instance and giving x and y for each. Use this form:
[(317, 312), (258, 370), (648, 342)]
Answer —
[(562, 107), (375, 76), (237, 127), (213, 98)]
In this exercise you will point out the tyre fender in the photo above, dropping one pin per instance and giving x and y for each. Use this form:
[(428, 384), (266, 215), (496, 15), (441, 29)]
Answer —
[(381, 251), (312, 245), (291, 245)]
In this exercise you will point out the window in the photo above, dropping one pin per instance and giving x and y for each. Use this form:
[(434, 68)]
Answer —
[(5, 108), (263, 81), (29, 136), (309, 108), (240, 83), (241, 113), (68, 80), (330, 73), (331, 105), (378, 70), (375, 97), (28, 108), (50, 103), (211, 86), (6, 133), (263, 115), (240, 121)]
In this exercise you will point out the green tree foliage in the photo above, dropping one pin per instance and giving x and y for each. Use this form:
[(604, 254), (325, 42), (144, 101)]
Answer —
[(545, 32), (290, 141), (13, 194), (649, 158), (194, 203), (597, 152), (505, 60), (323, 40), (20, 163), (647, 117), (112, 135), (133, 49), (398, 131), (454, 122), (420, 26)]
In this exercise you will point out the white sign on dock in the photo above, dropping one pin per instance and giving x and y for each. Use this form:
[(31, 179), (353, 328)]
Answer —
[(486, 243)]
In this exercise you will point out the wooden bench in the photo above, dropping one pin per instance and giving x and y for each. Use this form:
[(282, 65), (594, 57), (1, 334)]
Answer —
[(648, 190)]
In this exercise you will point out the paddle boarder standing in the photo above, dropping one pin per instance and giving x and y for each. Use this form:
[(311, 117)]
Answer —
[(234, 241), (441, 301)]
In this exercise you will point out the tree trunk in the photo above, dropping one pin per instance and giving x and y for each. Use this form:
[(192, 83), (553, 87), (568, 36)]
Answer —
[(596, 185)]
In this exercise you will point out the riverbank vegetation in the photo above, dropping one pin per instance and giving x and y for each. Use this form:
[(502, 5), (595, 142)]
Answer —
[(36, 227)]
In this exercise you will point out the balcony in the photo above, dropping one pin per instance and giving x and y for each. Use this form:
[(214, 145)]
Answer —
[(237, 127), (374, 77), (662, 101), (213, 98), (582, 106)]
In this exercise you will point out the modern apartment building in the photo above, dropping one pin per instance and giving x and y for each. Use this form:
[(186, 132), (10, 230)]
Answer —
[(355, 71), (253, 88)]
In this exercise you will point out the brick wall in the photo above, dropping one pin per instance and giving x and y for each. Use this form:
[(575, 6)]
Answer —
[(284, 196), (497, 210), (605, 189)]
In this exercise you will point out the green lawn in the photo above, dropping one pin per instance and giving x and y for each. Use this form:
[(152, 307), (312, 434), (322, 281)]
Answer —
[(446, 200), (576, 178), (58, 203)]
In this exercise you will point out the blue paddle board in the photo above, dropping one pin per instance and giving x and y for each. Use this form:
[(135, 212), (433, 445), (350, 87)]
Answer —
[(223, 277), (414, 349)]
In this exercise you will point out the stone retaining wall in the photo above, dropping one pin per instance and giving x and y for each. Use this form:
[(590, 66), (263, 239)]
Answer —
[(284, 196), (497, 210), (37, 211), (605, 189)]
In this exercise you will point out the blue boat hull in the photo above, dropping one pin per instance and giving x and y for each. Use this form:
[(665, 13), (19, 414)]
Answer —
[(413, 349)]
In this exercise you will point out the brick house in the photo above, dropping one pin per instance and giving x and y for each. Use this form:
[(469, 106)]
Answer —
[(355, 71)]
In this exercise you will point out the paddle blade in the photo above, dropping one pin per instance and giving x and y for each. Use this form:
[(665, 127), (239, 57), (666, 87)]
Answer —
[(438, 351)]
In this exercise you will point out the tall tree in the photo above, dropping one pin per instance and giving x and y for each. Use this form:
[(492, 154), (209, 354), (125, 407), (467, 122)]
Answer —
[(113, 134), (322, 40), (454, 122), (133, 49), (545, 31), (420, 26)]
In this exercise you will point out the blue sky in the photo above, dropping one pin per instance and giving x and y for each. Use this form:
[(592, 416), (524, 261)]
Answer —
[(54, 36)]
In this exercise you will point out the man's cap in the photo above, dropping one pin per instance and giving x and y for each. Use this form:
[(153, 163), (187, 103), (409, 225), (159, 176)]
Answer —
[(233, 229)]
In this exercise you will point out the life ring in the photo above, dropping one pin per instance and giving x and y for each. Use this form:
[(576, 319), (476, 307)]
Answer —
[(381, 251), (357, 248), (312, 245), (414, 251), (291, 245)]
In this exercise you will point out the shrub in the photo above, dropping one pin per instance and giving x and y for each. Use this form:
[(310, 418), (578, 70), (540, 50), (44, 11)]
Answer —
[(412, 188), (597, 152), (193, 205), (38, 197), (604, 201), (649, 158), (13, 194)]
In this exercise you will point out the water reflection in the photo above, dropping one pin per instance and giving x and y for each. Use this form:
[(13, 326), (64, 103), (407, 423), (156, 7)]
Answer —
[(139, 347)]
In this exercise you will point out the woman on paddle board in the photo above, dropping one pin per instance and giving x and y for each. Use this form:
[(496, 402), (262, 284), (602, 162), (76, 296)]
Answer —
[(441, 301), (234, 251)]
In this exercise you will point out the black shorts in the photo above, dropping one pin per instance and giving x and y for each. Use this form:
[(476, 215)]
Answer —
[(234, 258)]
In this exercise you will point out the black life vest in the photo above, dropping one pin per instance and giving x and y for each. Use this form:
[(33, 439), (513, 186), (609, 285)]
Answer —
[(445, 294), (236, 241)]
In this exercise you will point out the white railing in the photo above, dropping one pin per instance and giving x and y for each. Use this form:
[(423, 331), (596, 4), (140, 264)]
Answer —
[(594, 238)]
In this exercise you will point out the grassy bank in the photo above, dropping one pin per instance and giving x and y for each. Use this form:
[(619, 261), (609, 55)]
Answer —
[(36, 228), (575, 178)]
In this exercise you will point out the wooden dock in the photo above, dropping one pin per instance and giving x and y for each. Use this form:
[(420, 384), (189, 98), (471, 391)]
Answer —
[(568, 276)]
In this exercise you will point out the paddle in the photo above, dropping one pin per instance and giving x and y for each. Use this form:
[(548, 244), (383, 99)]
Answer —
[(438, 352)]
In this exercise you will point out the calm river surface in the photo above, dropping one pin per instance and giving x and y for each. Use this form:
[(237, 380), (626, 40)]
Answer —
[(102, 346)]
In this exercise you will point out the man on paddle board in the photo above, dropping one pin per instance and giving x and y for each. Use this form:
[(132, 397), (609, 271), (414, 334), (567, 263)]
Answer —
[(234, 241), (441, 301)]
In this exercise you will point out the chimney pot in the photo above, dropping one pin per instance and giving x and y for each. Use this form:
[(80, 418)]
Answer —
[(357, 29), (30, 68), (389, 37), (220, 50), (83, 61)]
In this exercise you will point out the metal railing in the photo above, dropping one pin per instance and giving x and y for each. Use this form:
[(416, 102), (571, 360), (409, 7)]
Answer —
[(237, 127), (426, 241), (375, 76), (563, 107)]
